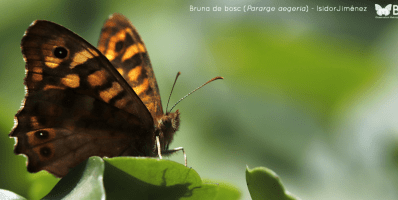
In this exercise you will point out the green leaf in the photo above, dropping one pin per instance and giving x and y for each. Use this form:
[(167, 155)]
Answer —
[(263, 183), (41, 184), (151, 178), (225, 191), (8, 195), (141, 178), (82, 182)]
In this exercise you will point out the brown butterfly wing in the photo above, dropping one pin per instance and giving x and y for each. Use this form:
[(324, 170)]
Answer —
[(77, 105), (121, 44)]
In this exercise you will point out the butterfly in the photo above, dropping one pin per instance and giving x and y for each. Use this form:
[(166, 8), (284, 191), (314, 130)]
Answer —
[(82, 101), (383, 11)]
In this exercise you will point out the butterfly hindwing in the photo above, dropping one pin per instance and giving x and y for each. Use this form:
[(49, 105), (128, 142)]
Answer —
[(77, 105), (57, 129), (122, 45)]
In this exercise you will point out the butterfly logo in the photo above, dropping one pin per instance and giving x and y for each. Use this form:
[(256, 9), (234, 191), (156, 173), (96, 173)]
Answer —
[(383, 11)]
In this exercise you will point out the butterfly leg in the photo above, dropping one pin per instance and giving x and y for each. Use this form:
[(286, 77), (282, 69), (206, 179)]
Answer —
[(171, 151), (158, 147)]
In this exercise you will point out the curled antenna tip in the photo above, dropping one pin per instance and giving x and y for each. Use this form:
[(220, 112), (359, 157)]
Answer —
[(211, 80)]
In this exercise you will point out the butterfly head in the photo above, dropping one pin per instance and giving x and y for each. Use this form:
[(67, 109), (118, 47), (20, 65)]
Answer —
[(167, 126)]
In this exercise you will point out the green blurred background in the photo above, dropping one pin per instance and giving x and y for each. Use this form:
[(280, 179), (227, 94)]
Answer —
[(310, 95)]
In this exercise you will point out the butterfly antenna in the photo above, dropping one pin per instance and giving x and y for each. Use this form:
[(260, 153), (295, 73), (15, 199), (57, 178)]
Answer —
[(211, 80), (178, 74)]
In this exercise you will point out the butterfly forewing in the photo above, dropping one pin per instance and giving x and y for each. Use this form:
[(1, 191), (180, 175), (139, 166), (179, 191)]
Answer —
[(122, 45), (77, 105)]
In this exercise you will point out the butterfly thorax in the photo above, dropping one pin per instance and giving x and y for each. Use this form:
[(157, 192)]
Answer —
[(166, 126)]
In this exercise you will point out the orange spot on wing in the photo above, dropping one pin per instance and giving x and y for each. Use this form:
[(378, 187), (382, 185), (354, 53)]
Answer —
[(141, 88), (108, 94), (52, 62), (37, 70), (71, 80), (110, 55), (37, 77), (51, 65), (121, 103), (134, 73), (110, 52), (47, 87), (97, 78), (82, 56), (132, 50)]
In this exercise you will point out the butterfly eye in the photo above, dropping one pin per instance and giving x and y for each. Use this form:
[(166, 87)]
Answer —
[(119, 46), (60, 52), (41, 135), (167, 124), (45, 151)]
